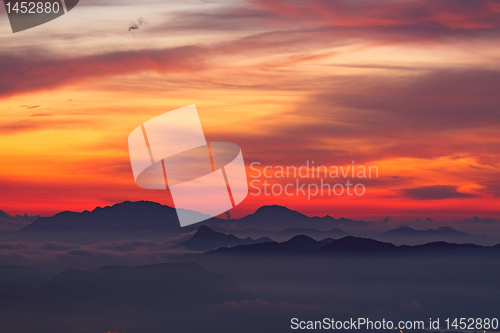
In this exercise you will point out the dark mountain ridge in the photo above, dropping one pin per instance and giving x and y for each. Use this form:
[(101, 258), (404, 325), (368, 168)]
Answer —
[(126, 216), (277, 222), (410, 236), (354, 246), (206, 239), (146, 215)]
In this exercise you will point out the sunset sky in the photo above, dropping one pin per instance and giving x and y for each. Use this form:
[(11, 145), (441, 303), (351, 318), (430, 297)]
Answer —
[(412, 87)]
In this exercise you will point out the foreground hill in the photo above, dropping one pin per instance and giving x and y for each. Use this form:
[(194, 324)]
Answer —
[(173, 297), (145, 215), (167, 286)]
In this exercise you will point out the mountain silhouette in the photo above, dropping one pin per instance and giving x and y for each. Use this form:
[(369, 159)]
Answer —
[(288, 233), (444, 248), (305, 244), (276, 222), (277, 218), (301, 243), (295, 245), (313, 233), (408, 231), (126, 216), (275, 212), (150, 216), (206, 239), (410, 236), (353, 246)]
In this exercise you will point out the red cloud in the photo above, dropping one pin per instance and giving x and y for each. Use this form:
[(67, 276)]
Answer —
[(448, 13), (43, 72)]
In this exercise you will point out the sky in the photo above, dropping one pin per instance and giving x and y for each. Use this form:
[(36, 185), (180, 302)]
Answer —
[(410, 87)]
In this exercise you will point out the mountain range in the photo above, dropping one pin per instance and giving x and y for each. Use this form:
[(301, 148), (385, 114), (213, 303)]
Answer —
[(126, 216), (353, 246), (216, 243), (410, 236), (206, 239), (288, 233), (276, 222)]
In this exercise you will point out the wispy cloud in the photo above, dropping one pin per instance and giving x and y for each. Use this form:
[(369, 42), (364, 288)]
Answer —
[(29, 107), (435, 192), (21, 74), (448, 14)]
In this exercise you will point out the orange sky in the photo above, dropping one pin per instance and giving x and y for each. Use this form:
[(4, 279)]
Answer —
[(410, 87)]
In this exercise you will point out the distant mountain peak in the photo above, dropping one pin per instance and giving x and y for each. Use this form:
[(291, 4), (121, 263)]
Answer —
[(407, 230), (358, 244), (305, 245), (410, 236), (405, 227), (204, 230), (206, 239), (4, 214), (276, 209), (302, 243), (124, 216), (300, 239), (447, 229)]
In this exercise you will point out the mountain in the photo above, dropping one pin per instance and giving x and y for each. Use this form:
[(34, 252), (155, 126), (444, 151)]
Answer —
[(166, 286), (444, 248), (295, 245), (126, 216), (288, 233), (313, 233), (10, 223), (277, 222), (353, 246), (301, 243), (406, 231), (206, 239), (150, 216), (177, 297), (278, 218), (275, 214), (410, 236)]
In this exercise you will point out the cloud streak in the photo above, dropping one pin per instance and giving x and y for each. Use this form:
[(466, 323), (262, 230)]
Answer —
[(435, 192), (482, 14), (45, 71)]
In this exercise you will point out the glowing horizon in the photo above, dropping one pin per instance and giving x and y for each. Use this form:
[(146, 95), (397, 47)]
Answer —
[(414, 93)]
